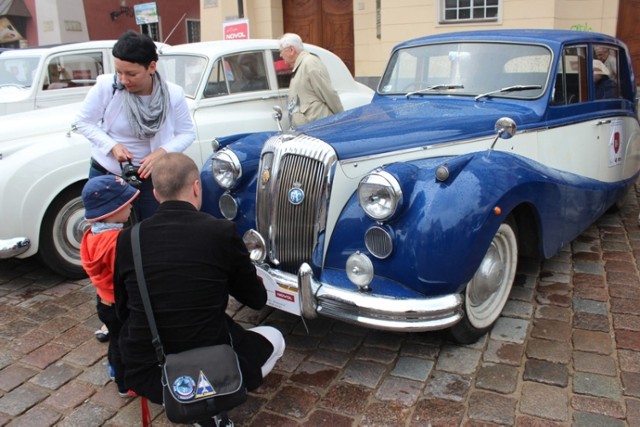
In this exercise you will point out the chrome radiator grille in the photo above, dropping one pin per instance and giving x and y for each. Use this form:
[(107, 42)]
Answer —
[(291, 230)]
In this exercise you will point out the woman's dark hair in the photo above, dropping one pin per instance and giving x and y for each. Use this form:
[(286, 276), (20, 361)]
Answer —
[(135, 47)]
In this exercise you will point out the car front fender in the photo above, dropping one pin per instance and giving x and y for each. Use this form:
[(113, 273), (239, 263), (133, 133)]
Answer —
[(445, 228), (32, 177)]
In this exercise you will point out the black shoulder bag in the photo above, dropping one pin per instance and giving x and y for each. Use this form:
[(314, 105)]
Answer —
[(198, 383)]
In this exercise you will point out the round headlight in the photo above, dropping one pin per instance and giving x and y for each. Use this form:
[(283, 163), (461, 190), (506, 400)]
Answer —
[(255, 245), (226, 168), (379, 194), (359, 270)]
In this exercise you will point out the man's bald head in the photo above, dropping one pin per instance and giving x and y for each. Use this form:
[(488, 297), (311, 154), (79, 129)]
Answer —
[(173, 177)]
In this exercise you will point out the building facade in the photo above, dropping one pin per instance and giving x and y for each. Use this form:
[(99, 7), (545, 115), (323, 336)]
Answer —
[(361, 32)]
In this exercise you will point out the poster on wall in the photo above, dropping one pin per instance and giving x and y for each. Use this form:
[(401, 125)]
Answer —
[(235, 30), (8, 33), (146, 13)]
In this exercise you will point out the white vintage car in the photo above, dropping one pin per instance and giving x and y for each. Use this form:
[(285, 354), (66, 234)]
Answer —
[(44, 77), (44, 164)]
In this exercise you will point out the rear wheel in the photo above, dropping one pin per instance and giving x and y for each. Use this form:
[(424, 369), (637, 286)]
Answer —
[(61, 233), (487, 292)]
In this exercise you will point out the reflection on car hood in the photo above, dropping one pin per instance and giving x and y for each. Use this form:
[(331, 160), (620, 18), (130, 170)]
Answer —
[(372, 128), (13, 93), (49, 121)]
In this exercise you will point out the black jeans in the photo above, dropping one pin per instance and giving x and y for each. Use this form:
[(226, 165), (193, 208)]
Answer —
[(107, 314)]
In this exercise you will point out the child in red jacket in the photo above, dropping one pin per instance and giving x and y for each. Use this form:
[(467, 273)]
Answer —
[(107, 202)]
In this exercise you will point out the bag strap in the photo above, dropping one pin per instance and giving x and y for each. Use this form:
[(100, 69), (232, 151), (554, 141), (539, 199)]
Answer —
[(144, 292)]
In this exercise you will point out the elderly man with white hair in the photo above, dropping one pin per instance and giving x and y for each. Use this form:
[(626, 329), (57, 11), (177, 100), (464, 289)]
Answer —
[(311, 95)]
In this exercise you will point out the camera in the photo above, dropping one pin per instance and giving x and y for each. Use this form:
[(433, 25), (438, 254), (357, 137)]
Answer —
[(130, 174)]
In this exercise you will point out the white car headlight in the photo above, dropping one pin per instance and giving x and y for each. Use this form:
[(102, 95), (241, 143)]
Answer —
[(379, 194), (226, 168)]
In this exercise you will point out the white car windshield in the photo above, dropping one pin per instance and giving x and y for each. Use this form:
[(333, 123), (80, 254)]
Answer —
[(184, 70), (481, 70), (17, 71)]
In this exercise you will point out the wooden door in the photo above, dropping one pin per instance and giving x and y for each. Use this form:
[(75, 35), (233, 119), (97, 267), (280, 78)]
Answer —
[(325, 23), (628, 17)]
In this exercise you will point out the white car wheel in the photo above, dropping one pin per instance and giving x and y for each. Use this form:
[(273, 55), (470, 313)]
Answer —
[(61, 234), (487, 292)]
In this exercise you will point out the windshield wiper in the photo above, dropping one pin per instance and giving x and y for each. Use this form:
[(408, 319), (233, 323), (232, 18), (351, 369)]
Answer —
[(434, 87), (515, 88)]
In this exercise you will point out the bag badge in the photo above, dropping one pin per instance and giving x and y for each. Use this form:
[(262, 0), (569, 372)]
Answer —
[(184, 387), (204, 387)]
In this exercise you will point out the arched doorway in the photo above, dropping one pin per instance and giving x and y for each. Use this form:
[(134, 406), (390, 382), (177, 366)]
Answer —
[(325, 23)]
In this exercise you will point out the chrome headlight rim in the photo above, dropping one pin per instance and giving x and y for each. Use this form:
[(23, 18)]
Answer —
[(369, 197), (226, 178), (256, 246)]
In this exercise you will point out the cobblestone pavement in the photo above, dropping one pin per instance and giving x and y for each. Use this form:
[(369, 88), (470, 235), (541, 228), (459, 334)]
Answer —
[(565, 352)]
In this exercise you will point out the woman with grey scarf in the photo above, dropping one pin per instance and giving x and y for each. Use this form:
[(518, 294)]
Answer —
[(134, 117)]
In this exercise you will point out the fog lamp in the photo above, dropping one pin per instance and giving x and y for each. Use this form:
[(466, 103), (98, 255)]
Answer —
[(360, 270)]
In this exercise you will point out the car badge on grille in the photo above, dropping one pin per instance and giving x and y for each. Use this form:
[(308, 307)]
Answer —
[(296, 196), (266, 175)]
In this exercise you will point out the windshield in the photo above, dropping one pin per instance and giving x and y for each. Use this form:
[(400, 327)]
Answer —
[(184, 70), (17, 71), (471, 69)]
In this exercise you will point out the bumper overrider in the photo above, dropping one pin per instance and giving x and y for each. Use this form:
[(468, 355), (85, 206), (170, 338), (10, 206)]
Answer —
[(368, 309), (13, 247)]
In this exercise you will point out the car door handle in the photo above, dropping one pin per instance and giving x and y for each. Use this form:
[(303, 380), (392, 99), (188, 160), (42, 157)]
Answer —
[(603, 122)]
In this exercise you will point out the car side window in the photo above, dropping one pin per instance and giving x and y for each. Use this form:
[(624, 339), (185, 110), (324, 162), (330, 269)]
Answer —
[(571, 82), (249, 73), (217, 82), (284, 73), (73, 70), (606, 83)]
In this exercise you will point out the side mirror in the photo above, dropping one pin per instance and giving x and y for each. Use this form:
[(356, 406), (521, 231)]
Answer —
[(505, 128)]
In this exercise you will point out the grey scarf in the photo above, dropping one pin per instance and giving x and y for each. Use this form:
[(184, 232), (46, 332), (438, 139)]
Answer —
[(146, 120)]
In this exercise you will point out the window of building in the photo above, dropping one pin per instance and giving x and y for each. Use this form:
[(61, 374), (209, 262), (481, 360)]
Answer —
[(193, 31), (457, 11), (152, 30)]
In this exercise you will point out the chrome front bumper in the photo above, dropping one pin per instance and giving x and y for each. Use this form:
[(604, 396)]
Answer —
[(374, 311), (10, 248)]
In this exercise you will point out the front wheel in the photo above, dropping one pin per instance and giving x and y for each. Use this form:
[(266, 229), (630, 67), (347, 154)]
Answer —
[(61, 233), (487, 292)]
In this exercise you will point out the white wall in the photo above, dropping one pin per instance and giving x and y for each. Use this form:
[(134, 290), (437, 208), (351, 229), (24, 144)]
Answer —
[(61, 21)]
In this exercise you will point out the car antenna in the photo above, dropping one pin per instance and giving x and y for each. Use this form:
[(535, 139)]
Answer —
[(173, 29)]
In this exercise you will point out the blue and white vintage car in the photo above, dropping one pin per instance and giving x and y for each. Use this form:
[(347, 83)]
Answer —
[(411, 213)]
